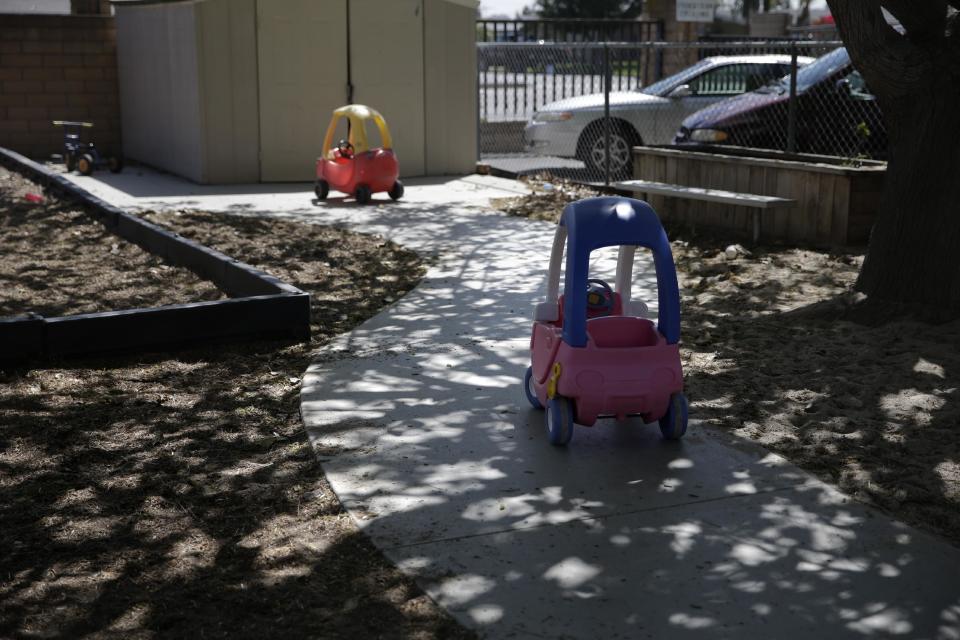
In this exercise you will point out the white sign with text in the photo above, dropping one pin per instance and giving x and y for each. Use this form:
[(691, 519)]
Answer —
[(695, 10)]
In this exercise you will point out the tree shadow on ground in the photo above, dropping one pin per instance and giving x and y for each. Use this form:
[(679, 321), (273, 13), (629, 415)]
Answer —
[(198, 509), (157, 503), (178, 496), (429, 443), (869, 406), (425, 435)]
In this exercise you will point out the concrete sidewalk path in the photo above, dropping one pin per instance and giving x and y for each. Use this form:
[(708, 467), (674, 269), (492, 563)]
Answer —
[(424, 433)]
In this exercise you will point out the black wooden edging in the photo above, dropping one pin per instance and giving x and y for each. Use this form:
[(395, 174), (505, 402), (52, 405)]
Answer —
[(260, 306)]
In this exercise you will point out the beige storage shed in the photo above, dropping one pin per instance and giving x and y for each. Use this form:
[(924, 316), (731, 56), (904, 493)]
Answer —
[(232, 91)]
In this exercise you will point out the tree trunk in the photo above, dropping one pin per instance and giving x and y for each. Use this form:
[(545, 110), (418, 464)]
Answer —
[(914, 253), (913, 260), (803, 19)]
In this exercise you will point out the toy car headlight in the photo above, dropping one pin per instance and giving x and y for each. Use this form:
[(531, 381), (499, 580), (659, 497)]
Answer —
[(708, 135), (552, 116)]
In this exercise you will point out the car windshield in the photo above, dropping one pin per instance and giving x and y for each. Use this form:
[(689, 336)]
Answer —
[(662, 87), (820, 69)]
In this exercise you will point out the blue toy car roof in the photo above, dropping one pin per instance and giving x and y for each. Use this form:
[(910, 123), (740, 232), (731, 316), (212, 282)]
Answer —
[(595, 223)]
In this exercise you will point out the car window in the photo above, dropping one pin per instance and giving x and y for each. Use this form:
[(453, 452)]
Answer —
[(665, 85), (733, 79), (767, 73), (821, 69), (858, 86)]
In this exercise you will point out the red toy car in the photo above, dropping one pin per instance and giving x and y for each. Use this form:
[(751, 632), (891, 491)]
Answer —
[(351, 166)]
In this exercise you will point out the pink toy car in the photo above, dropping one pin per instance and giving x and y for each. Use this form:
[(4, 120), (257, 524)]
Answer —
[(592, 354)]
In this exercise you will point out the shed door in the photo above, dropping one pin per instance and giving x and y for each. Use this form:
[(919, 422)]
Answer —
[(302, 57), (386, 46)]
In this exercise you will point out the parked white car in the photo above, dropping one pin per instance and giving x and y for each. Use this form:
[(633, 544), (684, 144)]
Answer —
[(573, 127)]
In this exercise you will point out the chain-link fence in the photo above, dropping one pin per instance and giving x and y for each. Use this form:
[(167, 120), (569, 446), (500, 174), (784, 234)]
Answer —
[(575, 110)]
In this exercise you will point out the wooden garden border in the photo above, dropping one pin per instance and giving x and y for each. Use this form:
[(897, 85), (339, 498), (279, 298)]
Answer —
[(260, 305)]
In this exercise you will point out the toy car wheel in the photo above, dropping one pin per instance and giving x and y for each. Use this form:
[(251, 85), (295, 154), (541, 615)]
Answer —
[(322, 189), (673, 424), (559, 420), (85, 164), (396, 191), (363, 194), (70, 161), (115, 163), (529, 390)]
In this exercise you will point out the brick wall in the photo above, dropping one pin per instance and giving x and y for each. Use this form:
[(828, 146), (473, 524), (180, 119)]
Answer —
[(57, 67)]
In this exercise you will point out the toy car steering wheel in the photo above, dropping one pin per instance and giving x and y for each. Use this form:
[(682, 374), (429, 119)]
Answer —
[(345, 149), (599, 297)]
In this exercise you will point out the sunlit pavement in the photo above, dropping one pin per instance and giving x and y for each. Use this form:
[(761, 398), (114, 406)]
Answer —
[(424, 433)]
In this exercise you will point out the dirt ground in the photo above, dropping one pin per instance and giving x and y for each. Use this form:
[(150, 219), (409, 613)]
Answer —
[(57, 260), (771, 352), (177, 496)]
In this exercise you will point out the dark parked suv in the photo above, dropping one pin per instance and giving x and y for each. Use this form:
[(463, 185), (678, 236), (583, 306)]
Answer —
[(836, 115)]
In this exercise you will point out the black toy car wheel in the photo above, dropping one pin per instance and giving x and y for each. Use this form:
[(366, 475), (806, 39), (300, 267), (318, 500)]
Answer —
[(116, 164), (85, 164), (396, 191), (70, 161), (363, 194), (322, 189)]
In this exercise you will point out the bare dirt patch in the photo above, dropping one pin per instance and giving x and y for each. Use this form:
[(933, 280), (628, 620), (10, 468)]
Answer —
[(57, 260), (770, 354), (177, 495)]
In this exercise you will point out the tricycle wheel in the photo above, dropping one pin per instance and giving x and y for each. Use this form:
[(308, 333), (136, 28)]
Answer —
[(115, 164), (322, 189), (85, 164), (559, 420), (363, 194), (70, 161), (529, 390), (673, 424), (396, 191)]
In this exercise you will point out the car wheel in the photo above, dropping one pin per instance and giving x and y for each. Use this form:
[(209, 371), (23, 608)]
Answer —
[(70, 161), (593, 150), (115, 164), (321, 189)]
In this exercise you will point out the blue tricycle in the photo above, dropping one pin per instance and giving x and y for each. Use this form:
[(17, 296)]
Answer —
[(83, 156)]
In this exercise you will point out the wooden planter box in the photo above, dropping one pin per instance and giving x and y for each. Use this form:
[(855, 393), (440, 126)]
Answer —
[(836, 201)]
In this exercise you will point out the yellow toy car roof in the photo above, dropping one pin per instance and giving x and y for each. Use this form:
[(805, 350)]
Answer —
[(357, 114)]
